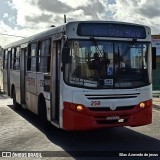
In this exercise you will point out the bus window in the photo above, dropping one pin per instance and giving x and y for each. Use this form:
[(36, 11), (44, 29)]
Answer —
[(17, 58), (15, 61), (5, 59), (44, 50), (10, 59), (31, 60), (13, 58), (33, 56)]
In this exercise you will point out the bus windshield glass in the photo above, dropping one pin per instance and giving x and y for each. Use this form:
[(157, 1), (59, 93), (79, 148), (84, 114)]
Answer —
[(107, 64)]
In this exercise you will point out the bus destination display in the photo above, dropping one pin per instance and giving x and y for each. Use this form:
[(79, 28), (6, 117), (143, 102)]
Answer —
[(111, 30)]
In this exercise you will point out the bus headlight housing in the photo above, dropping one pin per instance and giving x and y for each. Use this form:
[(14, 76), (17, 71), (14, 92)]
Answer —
[(74, 107), (79, 108), (142, 105), (145, 104)]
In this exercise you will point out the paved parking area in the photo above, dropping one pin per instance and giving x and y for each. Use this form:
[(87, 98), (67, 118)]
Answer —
[(156, 102)]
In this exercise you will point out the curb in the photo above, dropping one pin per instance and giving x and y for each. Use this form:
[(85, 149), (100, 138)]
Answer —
[(156, 106), (156, 102)]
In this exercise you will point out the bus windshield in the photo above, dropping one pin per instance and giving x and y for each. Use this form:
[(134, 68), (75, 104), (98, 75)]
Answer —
[(107, 64)]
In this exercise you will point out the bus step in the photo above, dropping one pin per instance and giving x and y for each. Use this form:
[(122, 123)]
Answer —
[(55, 123)]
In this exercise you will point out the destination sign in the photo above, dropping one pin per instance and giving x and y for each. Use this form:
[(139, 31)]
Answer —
[(111, 30)]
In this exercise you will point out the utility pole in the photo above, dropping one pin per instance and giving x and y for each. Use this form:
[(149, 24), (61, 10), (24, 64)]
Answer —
[(65, 19)]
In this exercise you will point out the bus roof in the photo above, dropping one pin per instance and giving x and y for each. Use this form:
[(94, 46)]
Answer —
[(60, 29), (37, 36)]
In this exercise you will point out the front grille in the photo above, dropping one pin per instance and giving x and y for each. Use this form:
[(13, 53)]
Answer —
[(111, 96), (119, 108)]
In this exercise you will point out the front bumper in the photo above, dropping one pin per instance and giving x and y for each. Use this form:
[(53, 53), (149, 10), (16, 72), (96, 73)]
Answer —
[(90, 120)]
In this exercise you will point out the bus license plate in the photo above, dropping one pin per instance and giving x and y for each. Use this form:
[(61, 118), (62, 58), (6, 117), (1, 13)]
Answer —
[(112, 118)]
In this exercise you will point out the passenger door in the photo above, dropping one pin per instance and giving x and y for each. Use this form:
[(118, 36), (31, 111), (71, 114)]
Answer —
[(22, 73), (55, 81)]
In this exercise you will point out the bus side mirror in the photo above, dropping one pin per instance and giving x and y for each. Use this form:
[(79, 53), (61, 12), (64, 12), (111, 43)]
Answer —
[(65, 55), (153, 57)]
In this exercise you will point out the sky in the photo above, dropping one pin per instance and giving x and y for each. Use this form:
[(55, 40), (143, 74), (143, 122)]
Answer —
[(24, 18)]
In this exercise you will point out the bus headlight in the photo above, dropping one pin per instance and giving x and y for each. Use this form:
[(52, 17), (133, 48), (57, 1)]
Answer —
[(145, 104), (142, 105), (75, 107), (79, 108)]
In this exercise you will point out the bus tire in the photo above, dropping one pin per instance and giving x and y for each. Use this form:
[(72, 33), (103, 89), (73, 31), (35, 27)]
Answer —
[(43, 113), (15, 104)]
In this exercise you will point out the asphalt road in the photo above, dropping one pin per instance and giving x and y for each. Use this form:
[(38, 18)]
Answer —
[(21, 131)]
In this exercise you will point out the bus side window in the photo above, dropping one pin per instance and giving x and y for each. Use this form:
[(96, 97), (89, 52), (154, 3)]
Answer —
[(31, 59), (13, 58), (44, 49), (33, 56), (5, 59), (15, 61), (17, 58)]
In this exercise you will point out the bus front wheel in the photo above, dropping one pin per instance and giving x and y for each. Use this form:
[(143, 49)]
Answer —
[(43, 113), (15, 104)]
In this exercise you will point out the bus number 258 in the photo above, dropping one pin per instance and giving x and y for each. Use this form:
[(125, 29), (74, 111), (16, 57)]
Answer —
[(95, 103)]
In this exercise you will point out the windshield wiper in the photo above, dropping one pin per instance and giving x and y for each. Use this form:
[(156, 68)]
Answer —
[(131, 43), (93, 40)]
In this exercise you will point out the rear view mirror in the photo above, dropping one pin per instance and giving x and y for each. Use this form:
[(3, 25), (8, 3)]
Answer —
[(65, 55), (153, 57)]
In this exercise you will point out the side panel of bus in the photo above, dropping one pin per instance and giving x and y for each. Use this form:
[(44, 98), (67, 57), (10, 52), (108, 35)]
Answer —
[(15, 83), (5, 80), (30, 78), (31, 97), (5, 60), (37, 71), (14, 70), (6, 71)]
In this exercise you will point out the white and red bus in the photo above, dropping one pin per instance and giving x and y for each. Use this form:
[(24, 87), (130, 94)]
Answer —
[(83, 75)]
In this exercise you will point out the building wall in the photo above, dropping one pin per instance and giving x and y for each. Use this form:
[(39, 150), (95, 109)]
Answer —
[(156, 72), (156, 78)]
